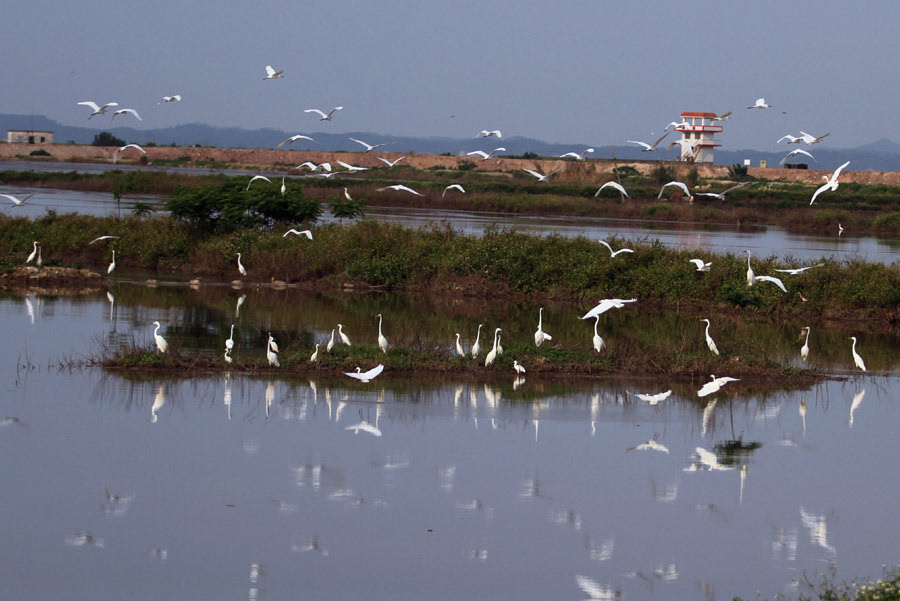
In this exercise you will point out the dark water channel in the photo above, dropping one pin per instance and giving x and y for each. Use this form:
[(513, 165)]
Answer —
[(232, 486)]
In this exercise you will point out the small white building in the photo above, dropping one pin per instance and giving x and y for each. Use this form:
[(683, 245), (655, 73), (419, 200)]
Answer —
[(699, 131), (29, 136)]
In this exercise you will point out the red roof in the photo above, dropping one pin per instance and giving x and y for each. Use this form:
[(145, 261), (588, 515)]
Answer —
[(704, 115)]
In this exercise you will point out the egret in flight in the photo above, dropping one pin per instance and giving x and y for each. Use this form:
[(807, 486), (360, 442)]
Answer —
[(607, 304), (271, 73), (453, 187), (795, 152), (578, 156), (103, 238), (654, 399), (487, 134), (486, 155), (16, 202), (370, 147), (760, 104), (615, 186), (366, 376), (714, 385), (351, 168), (721, 195), (123, 148), (831, 183), (173, 98), (391, 163), (680, 185), (612, 253), (649, 147), (256, 177), (124, 111), (701, 266), (799, 270), (306, 233), (98, 110), (768, 278), (293, 139), (324, 116), (400, 187), (541, 177)]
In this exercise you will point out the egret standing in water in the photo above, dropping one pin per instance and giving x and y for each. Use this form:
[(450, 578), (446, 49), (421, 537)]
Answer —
[(476, 348), (493, 354), (33, 253), (540, 335), (804, 351), (382, 341), (315, 356), (709, 341), (749, 270), (241, 269), (856, 358), (344, 338), (271, 353), (519, 369), (459, 349), (113, 264), (161, 345), (598, 341), (229, 344), (330, 344)]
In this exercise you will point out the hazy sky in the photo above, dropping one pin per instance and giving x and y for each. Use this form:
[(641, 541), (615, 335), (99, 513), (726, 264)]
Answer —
[(594, 72)]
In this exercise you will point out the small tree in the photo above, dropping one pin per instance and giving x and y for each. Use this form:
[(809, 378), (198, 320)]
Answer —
[(341, 208), (104, 138), (662, 174)]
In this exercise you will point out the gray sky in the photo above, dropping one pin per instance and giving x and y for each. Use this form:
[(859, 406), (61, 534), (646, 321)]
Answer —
[(594, 72)]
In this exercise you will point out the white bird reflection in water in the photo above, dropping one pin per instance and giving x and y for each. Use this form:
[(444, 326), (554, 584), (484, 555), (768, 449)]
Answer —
[(601, 552), (650, 445), (284, 506), (743, 477), (706, 460), (707, 417), (818, 529), (784, 543), (251, 447), (596, 591), (365, 426), (311, 545), (446, 477), (391, 462), (565, 518), (158, 401), (270, 396), (112, 303), (29, 307), (237, 307), (115, 505), (83, 538), (857, 399), (476, 505), (518, 382), (531, 488), (664, 494), (257, 571), (479, 551), (226, 395), (159, 554), (803, 415)]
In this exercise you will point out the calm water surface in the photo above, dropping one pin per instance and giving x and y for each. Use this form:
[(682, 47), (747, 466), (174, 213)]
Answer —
[(764, 243), (229, 486)]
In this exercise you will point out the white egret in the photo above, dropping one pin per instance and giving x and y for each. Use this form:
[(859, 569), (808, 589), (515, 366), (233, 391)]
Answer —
[(476, 348), (677, 125), (540, 335), (721, 195), (366, 376), (459, 349), (173, 98), (856, 358), (701, 266), (654, 399), (371, 147), (541, 177), (16, 201), (795, 152), (831, 183), (612, 253), (768, 278), (330, 342), (597, 341), (103, 238), (677, 185), (315, 168), (351, 168), (493, 353), (123, 148), (271, 73), (607, 304), (804, 350), (650, 445), (750, 275), (723, 117), (33, 253), (315, 356), (272, 354), (453, 187), (687, 147), (614, 185), (293, 139), (347, 195), (487, 134), (324, 116), (391, 163), (810, 139), (98, 110), (499, 346), (709, 341), (344, 338), (241, 269), (161, 345), (227, 356), (714, 385), (306, 233), (272, 344), (229, 344), (112, 265), (256, 177), (799, 270), (648, 147), (709, 460), (840, 230), (760, 104), (519, 369), (578, 156), (283, 187), (486, 155), (790, 139), (382, 341), (123, 112), (400, 187)]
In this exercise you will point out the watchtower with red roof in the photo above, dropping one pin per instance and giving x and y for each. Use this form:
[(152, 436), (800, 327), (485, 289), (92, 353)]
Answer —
[(699, 130)]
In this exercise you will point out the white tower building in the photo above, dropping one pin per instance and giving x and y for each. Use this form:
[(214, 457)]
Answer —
[(699, 131)]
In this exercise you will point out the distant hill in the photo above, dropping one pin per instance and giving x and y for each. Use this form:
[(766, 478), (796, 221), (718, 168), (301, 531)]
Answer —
[(881, 155)]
